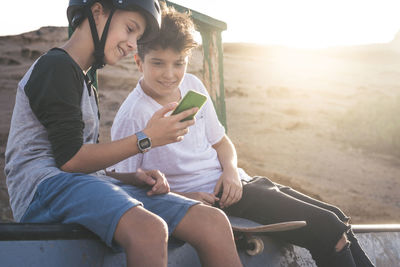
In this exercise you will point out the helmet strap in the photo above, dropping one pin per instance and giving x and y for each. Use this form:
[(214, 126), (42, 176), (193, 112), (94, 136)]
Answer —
[(98, 44)]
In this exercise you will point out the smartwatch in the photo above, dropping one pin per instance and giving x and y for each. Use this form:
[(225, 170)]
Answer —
[(143, 142)]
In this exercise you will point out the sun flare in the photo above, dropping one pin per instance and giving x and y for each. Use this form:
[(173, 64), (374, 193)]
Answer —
[(313, 23)]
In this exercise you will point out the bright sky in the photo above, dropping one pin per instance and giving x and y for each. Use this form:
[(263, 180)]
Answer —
[(297, 23)]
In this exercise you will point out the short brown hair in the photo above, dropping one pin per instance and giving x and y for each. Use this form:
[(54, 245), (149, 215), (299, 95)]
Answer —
[(176, 32)]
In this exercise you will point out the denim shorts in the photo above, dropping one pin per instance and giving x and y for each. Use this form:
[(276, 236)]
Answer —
[(98, 203)]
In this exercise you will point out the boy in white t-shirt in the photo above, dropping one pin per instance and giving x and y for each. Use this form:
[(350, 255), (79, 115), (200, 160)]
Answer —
[(203, 165)]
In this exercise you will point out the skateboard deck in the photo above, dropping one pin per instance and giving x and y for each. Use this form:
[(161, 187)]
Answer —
[(246, 231), (248, 226)]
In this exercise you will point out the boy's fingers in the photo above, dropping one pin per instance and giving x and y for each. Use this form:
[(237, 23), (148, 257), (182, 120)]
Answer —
[(217, 188), (238, 196), (161, 185), (225, 195), (165, 109), (188, 123), (209, 199), (182, 132), (145, 177), (149, 193), (207, 202), (186, 113), (158, 189), (149, 180), (231, 197), (223, 198)]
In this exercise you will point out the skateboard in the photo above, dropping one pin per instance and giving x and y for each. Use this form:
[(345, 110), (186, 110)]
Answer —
[(247, 233)]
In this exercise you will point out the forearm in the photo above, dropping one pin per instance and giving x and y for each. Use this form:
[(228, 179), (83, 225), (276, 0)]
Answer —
[(229, 183), (226, 154), (160, 129), (94, 157)]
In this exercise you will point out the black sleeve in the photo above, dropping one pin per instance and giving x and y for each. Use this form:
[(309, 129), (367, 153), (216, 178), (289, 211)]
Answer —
[(54, 90)]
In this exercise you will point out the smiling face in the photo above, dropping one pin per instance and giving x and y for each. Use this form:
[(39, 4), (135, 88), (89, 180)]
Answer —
[(125, 29), (163, 71)]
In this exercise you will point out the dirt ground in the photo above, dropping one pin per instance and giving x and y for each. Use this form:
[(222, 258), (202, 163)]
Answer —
[(325, 122)]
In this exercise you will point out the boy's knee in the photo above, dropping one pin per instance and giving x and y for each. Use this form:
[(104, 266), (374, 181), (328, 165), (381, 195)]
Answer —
[(141, 227), (341, 243), (332, 229), (155, 227), (211, 216)]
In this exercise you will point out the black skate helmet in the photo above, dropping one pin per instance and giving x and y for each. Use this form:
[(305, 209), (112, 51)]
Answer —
[(80, 9)]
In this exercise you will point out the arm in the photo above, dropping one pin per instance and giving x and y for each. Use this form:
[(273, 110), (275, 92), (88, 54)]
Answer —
[(229, 182), (161, 129), (55, 91), (94, 157)]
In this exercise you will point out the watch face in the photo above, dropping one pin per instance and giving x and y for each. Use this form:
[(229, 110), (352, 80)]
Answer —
[(144, 143)]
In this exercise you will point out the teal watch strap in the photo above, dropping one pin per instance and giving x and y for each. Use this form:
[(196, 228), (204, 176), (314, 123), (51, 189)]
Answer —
[(143, 142), (141, 135)]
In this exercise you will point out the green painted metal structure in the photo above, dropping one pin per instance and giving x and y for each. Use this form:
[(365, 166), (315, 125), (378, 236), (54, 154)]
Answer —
[(213, 71)]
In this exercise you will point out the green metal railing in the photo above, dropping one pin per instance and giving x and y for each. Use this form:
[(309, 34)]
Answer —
[(213, 71)]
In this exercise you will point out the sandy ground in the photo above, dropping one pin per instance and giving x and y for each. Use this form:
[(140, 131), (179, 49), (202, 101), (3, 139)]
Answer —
[(325, 122)]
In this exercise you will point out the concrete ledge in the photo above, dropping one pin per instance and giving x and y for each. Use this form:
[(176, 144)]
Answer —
[(76, 246)]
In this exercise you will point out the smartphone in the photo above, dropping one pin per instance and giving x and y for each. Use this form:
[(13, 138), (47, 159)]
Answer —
[(190, 100)]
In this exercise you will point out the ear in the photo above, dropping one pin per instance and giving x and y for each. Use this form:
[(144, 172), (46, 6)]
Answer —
[(138, 61), (98, 12)]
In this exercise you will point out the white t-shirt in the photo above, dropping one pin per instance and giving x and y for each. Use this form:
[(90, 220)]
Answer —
[(191, 165)]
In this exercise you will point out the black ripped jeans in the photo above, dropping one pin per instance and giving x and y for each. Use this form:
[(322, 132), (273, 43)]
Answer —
[(266, 202)]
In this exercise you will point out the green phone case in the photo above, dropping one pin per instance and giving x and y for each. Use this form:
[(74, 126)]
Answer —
[(190, 100)]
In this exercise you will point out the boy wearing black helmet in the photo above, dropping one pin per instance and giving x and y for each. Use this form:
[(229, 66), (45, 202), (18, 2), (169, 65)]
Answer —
[(54, 162)]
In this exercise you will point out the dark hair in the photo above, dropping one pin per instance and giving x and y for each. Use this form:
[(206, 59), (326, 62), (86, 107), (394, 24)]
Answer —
[(176, 32)]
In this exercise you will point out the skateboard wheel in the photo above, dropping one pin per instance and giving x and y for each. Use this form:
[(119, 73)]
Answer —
[(255, 246)]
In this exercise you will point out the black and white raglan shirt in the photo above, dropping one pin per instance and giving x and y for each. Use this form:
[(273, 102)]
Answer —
[(54, 115)]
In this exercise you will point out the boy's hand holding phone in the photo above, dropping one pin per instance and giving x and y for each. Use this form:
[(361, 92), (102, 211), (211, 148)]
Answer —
[(169, 129), (164, 130), (190, 100)]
